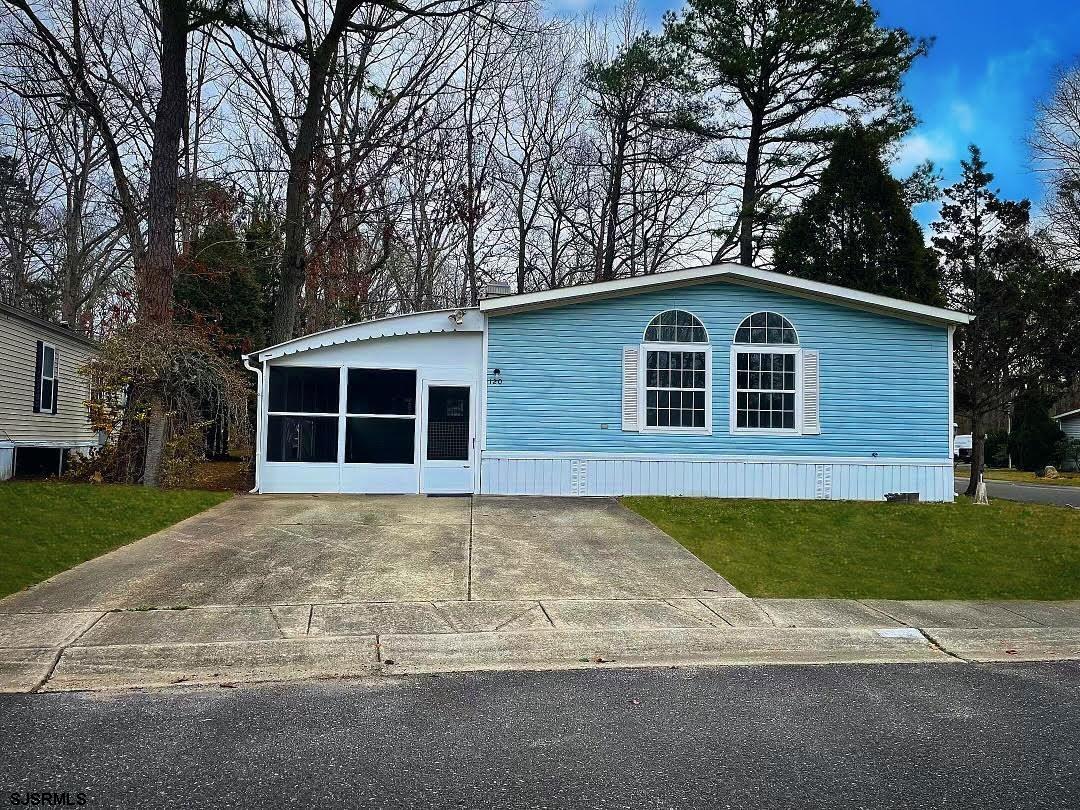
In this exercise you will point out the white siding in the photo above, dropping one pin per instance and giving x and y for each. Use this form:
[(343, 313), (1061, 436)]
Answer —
[(797, 478), (18, 359), (456, 356)]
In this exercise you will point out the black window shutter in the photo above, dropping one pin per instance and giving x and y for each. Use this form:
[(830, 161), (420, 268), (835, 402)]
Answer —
[(37, 378), (56, 377)]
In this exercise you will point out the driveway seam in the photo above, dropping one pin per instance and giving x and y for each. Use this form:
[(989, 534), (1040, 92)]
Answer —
[(472, 507), (1018, 614), (886, 613), (883, 612), (717, 615)]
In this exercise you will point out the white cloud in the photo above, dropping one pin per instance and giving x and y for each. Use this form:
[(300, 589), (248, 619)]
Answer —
[(919, 147), (963, 115)]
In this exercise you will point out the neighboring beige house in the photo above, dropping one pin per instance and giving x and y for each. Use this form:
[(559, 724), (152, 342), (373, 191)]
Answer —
[(43, 397)]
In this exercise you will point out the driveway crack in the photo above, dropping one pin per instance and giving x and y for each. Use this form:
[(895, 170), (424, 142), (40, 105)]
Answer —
[(52, 669), (937, 645)]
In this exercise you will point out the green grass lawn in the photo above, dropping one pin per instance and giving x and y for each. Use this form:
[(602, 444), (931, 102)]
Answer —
[(46, 528), (1065, 479), (848, 549)]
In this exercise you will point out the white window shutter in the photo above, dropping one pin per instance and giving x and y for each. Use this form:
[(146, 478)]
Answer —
[(811, 391), (630, 408)]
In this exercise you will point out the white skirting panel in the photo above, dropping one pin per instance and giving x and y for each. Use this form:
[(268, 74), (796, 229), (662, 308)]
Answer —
[(719, 477)]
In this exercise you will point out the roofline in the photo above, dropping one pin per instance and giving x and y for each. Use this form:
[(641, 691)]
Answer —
[(1073, 412), (736, 273), (44, 324), (255, 354)]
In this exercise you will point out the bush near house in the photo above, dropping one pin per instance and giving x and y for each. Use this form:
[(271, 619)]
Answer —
[(50, 527), (849, 549)]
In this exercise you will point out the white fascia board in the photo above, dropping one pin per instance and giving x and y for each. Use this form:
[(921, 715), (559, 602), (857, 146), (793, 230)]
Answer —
[(1067, 414), (415, 323), (735, 273), (50, 444)]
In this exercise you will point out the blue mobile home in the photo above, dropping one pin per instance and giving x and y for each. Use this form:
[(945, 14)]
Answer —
[(720, 381)]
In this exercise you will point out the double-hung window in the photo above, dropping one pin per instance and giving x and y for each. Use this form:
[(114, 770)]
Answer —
[(765, 373), (302, 414), (45, 381), (677, 375)]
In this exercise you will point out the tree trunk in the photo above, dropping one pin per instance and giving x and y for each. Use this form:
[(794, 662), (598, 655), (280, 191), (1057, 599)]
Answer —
[(155, 442), (749, 195), (614, 201), (287, 302), (978, 444), (156, 274)]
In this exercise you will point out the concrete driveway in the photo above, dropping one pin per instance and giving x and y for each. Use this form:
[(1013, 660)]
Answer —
[(296, 550)]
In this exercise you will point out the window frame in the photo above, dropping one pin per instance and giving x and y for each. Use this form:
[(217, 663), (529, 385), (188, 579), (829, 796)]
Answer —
[(323, 414), (43, 407), (700, 323), (345, 415), (766, 313), (764, 348), (643, 364)]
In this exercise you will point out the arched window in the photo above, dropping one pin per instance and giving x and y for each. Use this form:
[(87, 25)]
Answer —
[(676, 381), (767, 329), (764, 374), (676, 326)]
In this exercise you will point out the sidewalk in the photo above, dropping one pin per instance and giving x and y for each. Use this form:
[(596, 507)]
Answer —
[(89, 650)]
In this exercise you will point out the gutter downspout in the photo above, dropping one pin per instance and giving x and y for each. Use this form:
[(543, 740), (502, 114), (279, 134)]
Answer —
[(258, 418)]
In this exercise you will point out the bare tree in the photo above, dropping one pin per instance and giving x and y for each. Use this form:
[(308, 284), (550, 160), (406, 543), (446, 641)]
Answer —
[(1055, 145)]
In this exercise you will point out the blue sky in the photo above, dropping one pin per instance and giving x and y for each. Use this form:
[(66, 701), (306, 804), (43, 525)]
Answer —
[(992, 60)]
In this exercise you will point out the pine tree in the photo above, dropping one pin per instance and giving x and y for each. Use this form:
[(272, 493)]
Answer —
[(857, 230), (994, 269), (785, 76)]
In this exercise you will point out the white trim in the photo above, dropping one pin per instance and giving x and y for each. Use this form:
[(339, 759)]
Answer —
[(485, 370), (645, 331), (260, 407), (415, 323), (952, 420), (40, 381), (728, 272), (643, 364), (766, 312), (431, 468), (1067, 414), (764, 348), (749, 459), (50, 444)]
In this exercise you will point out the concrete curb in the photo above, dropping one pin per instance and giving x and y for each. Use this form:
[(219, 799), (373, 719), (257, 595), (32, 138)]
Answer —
[(232, 644)]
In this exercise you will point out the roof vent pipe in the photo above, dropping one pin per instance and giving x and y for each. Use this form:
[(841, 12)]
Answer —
[(494, 289)]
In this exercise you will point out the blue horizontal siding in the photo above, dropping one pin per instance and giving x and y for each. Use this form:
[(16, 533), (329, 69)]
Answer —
[(884, 381)]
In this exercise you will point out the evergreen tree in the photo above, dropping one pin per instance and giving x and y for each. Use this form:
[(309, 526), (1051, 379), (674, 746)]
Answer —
[(785, 76), (218, 287), (1035, 437), (857, 230), (994, 269)]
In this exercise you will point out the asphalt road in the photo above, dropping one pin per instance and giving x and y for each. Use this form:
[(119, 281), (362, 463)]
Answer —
[(926, 736), (1031, 493)]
